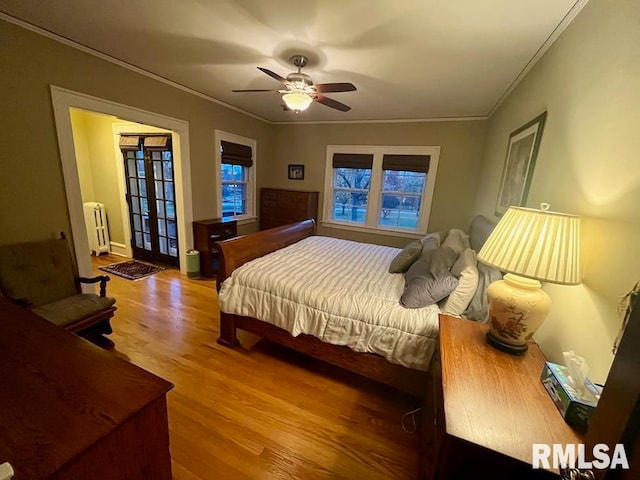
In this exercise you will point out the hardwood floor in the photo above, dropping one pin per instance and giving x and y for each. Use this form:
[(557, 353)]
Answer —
[(264, 413)]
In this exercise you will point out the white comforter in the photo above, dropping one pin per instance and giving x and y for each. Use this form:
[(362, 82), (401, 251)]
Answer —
[(338, 291)]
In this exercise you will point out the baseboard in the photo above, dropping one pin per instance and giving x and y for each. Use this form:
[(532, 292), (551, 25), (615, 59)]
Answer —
[(119, 249)]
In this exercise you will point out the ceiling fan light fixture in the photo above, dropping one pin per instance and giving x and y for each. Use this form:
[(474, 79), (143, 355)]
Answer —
[(297, 100)]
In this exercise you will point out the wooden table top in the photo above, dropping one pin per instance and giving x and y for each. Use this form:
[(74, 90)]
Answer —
[(60, 394), (495, 399)]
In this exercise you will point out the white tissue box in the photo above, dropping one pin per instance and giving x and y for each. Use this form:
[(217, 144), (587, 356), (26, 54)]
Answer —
[(575, 410)]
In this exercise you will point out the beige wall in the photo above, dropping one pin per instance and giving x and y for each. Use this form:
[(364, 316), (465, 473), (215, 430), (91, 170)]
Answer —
[(32, 195), (461, 145), (94, 132), (587, 165), (81, 140)]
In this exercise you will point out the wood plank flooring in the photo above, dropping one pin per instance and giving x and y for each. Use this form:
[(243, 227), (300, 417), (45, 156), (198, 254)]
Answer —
[(264, 413)]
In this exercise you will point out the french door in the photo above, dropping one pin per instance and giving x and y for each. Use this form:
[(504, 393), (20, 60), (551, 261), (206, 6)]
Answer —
[(149, 176)]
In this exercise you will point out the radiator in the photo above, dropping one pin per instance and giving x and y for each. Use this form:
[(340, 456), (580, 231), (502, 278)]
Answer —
[(96, 219)]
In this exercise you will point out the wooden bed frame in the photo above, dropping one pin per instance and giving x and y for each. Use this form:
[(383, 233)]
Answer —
[(237, 251)]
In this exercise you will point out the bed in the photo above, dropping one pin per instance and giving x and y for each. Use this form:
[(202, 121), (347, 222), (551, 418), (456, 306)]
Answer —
[(332, 299)]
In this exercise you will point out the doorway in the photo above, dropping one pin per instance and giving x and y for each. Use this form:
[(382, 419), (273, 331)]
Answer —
[(150, 183), (63, 100)]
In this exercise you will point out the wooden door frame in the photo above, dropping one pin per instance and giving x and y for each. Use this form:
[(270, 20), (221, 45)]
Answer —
[(62, 100)]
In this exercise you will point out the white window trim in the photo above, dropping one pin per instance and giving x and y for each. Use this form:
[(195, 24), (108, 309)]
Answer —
[(371, 224), (221, 136)]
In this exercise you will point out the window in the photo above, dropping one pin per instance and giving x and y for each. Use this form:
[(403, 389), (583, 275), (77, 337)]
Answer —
[(380, 188), (351, 180), (236, 167)]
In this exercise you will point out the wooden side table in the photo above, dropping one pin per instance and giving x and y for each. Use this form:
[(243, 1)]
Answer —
[(205, 234), (489, 409)]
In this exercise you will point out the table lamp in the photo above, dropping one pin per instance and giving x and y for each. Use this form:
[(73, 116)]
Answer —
[(531, 246)]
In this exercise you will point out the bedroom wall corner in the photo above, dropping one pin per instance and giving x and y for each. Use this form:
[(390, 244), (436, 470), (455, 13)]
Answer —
[(587, 165)]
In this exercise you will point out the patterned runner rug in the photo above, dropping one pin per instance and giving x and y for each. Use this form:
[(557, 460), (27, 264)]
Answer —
[(132, 269)]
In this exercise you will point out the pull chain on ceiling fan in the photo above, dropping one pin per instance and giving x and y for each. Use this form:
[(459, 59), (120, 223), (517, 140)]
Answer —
[(300, 90)]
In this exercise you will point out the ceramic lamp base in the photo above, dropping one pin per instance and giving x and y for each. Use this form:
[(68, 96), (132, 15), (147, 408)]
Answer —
[(517, 307)]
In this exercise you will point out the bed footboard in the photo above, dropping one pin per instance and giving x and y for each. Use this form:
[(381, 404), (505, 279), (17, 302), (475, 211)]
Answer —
[(237, 251)]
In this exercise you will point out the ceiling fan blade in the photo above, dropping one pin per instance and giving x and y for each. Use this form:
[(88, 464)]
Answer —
[(255, 90), (273, 74), (330, 102), (334, 87)]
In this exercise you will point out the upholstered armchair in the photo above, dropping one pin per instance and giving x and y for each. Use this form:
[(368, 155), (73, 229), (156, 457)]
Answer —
[(42, 276)]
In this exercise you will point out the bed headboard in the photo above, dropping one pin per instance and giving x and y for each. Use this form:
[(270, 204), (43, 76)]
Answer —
[(480, 229)]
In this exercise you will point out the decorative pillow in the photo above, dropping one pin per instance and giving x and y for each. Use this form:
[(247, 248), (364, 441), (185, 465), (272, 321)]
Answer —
[(466, 270), (406, 257), (431, 239), (478, 308), (429, 280), (411, 252), (458, 240)]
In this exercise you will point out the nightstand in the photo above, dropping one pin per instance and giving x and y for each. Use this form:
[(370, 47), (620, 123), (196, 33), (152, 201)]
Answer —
[(205, 234), (486, 409)]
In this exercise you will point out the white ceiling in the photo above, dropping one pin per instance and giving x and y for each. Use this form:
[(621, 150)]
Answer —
[(409, 59)]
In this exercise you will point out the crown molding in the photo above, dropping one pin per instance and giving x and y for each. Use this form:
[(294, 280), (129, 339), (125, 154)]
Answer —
[(395, 120)]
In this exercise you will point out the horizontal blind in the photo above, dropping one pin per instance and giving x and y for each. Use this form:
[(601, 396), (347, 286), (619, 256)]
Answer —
[(406, 163), (236, 154), (129, 142), (157, 142), (352, 160)]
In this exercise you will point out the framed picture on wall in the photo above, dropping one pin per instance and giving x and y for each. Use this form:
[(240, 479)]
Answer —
[(522, 151), (296, 172)]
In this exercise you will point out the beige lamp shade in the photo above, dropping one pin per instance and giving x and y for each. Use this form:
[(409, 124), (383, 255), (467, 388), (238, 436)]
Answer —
[(531, 246), (536, 244)]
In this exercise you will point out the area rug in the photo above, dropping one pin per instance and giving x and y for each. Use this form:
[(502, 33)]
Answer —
[(132, 269)]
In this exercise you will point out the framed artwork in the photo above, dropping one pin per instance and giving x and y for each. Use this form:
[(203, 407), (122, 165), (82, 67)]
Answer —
[(522, 151), (296, 172)]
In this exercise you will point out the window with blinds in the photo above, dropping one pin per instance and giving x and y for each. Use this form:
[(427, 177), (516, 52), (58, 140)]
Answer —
[(352, 178), (403, 182), (236, 166), (382, 188), (236, 160)]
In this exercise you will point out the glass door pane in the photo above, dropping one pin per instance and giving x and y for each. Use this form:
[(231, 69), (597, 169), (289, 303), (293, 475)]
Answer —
[(138, 202)]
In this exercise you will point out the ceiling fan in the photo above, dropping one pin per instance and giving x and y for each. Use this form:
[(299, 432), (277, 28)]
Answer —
[(301, 91)]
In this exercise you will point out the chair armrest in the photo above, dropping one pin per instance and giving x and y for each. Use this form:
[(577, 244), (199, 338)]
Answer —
[(103, 279)]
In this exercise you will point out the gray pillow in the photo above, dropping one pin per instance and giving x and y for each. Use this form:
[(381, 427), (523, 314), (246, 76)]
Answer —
[(406, 257), (429, 280), (431, 240), (457, 239), (478, 308), (428, 243)]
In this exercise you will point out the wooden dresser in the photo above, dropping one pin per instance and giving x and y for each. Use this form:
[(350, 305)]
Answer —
[(71, 410), (281, 207), (205, 234), (488, 408)]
